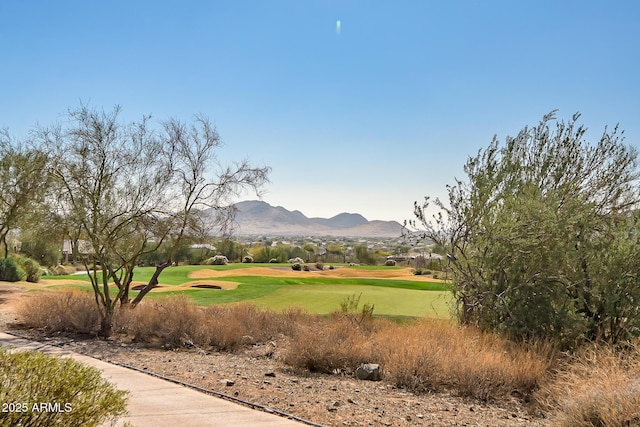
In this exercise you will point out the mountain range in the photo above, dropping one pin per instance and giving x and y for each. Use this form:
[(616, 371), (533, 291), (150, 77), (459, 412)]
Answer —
[(258, 217)]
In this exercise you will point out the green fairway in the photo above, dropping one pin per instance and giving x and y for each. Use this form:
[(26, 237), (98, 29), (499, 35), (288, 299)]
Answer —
[(324, 299), (390, 296)]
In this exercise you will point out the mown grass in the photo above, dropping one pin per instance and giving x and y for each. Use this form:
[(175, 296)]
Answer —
[(391, 297), (323, 299)]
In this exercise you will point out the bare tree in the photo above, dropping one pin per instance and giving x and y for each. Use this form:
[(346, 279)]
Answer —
[(130, 189)]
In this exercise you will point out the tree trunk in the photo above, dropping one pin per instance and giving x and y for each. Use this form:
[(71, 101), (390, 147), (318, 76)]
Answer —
[(106, 323), (153, 282)]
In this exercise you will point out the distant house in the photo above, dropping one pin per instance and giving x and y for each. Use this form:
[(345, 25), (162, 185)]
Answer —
[(84, 248), (203, 246)]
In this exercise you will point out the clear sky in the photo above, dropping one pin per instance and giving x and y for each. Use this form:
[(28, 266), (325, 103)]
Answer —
[(363, 116)]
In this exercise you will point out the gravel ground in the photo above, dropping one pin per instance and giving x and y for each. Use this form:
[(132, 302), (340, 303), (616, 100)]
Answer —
[(256, 374)]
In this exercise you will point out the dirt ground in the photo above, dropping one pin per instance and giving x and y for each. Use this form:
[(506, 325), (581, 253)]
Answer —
[(257, 374)]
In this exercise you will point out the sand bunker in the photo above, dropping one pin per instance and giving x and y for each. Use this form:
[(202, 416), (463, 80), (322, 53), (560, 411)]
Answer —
[(341, 272), (136, 286)]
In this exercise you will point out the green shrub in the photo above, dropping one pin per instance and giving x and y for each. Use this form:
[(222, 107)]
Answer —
[(10, 271), (76, 395), (31, 268), (418, 272)]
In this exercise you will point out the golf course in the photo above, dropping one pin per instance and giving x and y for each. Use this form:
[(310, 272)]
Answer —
[(393, 291)]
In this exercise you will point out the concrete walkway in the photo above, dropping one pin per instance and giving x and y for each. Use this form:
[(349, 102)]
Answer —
[(155, 402)]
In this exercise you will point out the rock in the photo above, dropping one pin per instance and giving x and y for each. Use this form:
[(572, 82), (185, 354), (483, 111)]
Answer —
[(369, 372), (270, 374), (228, 383)]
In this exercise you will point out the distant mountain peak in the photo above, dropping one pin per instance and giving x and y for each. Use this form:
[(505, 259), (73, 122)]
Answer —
[(259, 217)]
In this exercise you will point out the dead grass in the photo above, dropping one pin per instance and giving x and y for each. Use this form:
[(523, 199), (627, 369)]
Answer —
[(598, 386), (68, 311), (336, 344), (424, 356), (437, 355), (178, 322)]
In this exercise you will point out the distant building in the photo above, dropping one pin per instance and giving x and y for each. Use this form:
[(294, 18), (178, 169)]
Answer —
[(84, 248)]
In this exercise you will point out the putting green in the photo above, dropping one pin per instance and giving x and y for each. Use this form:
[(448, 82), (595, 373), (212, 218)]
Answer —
[(326, 299)]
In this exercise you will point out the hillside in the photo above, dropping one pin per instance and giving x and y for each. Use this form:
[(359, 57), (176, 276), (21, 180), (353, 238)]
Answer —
[(258, 217)]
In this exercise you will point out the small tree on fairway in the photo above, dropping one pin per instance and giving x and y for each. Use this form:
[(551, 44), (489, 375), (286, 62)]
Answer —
[(543, 235), (130, 189)]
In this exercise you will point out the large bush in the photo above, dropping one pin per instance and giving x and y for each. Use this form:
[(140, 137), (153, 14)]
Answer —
[(10, 271), (76, 394), (543, 236), (31, 267)]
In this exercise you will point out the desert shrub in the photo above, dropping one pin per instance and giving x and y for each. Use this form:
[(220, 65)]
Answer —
[(350, 308), (171, 322), (31, 267), (390, 263), (319, 265), (437, 355), (418, 272), (11, 271), (231, 325), (427, 272), (83, 397), (218, 260), (296, 266), (69, 311), (43, 250), (178, 322), (329, 345), (248, 259), (331, 267), (597, 386), (63, 270)]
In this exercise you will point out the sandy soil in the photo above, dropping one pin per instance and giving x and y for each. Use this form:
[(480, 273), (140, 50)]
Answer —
[(257, 374), (342, 272)]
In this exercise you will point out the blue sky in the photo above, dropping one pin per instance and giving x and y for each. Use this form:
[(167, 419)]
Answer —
[(367, 120)]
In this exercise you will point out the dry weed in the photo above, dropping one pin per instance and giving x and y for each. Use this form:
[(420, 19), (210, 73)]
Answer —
[(330, 345), (437, 355), (598, 386), (70, 311)]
